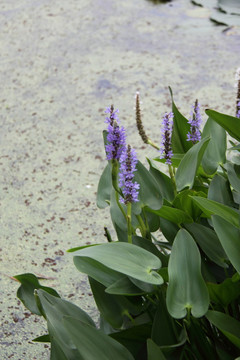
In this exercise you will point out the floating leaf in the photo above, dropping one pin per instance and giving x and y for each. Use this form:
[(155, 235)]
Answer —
[(187, 289)]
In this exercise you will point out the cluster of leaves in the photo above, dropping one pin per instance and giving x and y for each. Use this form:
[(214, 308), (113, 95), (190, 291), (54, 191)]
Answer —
[(172, 299), (224, 12)]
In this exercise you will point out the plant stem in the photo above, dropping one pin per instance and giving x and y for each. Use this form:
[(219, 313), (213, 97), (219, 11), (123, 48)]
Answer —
[(170, 169), (129, 225), (142, 226), (120, 205)]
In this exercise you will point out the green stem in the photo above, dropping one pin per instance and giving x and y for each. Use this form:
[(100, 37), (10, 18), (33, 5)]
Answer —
[(142, 226), (129, 225), (120, 205), (170, 169), (150, 142)]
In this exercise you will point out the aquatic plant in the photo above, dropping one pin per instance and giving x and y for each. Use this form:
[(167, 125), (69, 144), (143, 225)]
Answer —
[(167, 283)]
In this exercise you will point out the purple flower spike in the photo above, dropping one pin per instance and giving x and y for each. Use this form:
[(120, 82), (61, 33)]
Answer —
[(116, 137), (128, 161), (195, 120), (166, 149)]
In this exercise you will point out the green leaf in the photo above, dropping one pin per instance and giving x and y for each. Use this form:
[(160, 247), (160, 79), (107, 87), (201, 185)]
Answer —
[(174, 215), (105, 187), (229, 236), (111, 307), (92, 343), (25, 293), (154, 351), (189, 165), (127, 259), (164, 182), (220, 191), (230, 123), (134, 338), (55, 309), (233, 172), (184, 202), (215, 153), (187, 289), (224, 293), (208, 242), (43, 338), (149, 192), (176, 159), (124, 286), (97, 270), (229, 326), (180, 129), (164, 328), (210, 207)]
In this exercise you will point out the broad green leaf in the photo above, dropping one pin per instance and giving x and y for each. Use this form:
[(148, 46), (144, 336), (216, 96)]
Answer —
[(210, 207), (25, 293), (149, 192), (127, 259), (184, 202), (233, 172), (124, 286), (229, 326), (229, 236), (187, 289), (220, 191), (149, 246), (111, 307), (230, 123), (164, 328), (164, 182), (215, 153), (154, 351), (168, 229), (97, 270), (180, 129), (55, 309), (93, 344), (172, 214), (188, 167), (208, 242), (224, 293), (105, 187), (134, 338)]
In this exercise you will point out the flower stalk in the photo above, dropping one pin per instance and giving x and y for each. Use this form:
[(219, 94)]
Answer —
[(140, 127)]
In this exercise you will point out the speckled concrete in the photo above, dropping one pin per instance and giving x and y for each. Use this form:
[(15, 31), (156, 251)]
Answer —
[(62, 62)]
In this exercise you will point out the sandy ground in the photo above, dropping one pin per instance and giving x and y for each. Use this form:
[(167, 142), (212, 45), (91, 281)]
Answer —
[(62, 62)]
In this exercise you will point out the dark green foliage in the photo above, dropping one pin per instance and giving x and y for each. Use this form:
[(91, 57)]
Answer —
[(174, 297)]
